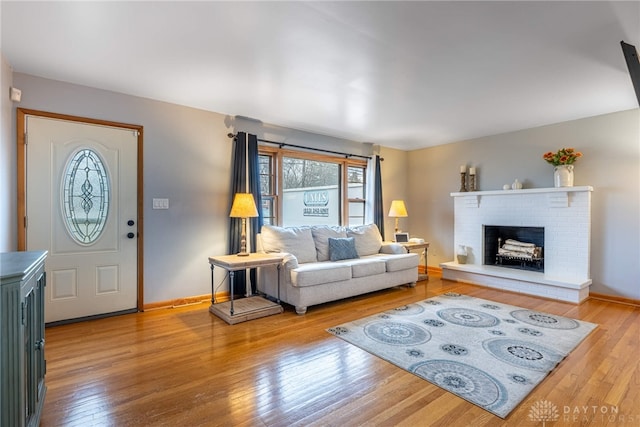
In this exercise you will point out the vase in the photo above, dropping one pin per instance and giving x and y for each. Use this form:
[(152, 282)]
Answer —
[(517, 185), (563, 176), (461, 254)]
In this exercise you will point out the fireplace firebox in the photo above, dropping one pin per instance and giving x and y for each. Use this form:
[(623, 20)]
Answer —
[(496, 236)]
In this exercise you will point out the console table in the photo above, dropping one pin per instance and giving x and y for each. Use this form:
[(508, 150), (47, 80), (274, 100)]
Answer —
[(253, 306), (425, 249)]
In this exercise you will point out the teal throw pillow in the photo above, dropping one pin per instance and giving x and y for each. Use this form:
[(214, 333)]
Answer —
[(342, 248)]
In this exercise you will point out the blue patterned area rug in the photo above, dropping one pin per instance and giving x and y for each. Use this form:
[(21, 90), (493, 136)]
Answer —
[(489, 353)]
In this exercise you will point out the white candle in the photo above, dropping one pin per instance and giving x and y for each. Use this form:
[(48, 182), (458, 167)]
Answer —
[(463, 168), (472, 171)]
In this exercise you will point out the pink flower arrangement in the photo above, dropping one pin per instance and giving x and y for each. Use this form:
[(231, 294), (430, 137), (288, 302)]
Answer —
[(564, 156)]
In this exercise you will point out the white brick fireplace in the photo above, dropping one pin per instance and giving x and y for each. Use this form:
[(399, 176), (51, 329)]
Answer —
[(565, 214)]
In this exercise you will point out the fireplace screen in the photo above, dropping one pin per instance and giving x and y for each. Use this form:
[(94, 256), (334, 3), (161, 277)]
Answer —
[(514, 247)]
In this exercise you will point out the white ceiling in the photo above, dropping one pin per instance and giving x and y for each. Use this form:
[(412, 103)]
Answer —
[(399, 74)]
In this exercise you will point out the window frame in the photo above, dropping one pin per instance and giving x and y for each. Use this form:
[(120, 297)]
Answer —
[(278, 154)]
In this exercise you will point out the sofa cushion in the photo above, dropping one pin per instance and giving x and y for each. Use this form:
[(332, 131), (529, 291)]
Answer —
[(320, 272), (364, 267), (401, 262), (368, 239), (321, 234), (342, 248), (295, 240)]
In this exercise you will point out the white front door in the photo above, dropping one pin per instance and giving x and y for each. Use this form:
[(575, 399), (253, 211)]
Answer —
[(81, 206)]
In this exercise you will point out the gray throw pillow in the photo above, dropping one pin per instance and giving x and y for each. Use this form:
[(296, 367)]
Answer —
[(342, 248)]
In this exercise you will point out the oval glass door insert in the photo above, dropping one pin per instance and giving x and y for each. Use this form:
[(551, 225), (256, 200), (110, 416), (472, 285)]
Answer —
[(85, 196)]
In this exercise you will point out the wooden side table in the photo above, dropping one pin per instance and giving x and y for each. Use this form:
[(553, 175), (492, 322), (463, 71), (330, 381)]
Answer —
[(425, 250), (253, 306)]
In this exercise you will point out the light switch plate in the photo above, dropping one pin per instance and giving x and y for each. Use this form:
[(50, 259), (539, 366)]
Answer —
[(15, 94), (160, 203)]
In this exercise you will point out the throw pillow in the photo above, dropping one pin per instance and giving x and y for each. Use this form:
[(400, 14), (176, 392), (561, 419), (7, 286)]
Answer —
[(342, 248), (321, 234), (368, 239), (294, 240)]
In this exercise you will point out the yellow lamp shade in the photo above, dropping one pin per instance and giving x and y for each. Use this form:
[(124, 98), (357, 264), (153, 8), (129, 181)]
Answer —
[(244, 206), (398, 209)]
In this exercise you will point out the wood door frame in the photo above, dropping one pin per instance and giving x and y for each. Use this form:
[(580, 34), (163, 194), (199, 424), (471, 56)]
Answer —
[(22, 178)]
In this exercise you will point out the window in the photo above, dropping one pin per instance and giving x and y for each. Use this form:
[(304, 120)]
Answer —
[(267, 188), (356, 194), (85, 196), (308, 189)]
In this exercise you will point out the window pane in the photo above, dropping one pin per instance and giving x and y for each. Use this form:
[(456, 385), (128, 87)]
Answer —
[(268, 211), (265, 167), (311, 192), (85, 196), (355, 177), (356, 213)]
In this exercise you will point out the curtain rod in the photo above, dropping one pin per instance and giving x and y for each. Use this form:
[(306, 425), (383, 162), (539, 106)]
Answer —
[(283, 144)]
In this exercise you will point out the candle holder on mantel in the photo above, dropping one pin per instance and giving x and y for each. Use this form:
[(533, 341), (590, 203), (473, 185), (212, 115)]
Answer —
[(463, 182), (472, 180)]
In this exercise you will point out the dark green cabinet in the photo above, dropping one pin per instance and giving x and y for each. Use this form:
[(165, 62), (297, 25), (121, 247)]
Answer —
[(22, 359)]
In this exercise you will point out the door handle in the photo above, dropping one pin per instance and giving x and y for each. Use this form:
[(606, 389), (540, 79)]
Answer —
[(130, 223), (131, 235)]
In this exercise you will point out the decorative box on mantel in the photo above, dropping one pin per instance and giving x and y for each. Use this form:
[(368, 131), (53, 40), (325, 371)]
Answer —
[(564, 214)]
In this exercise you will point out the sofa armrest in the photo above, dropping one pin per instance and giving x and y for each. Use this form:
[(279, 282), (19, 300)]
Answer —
[(289, 261), (259, 245), (392, 248)]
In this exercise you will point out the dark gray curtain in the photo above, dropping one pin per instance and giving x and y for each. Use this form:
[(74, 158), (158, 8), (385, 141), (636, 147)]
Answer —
[(245, 159), (254, 188), (378, 212), (238, 185)]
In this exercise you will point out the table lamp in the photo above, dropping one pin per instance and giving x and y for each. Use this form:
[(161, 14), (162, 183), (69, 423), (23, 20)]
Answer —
[(244, 206), (397, 210)]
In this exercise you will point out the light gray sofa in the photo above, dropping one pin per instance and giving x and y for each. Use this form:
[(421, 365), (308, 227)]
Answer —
[(361, 263)]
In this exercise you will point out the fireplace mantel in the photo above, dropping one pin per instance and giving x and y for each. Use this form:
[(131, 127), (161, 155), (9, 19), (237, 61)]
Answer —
[(524, 191), (555, 197), (565, 214)]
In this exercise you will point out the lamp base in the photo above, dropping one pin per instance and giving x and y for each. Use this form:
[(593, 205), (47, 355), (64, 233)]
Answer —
[(243, 254)]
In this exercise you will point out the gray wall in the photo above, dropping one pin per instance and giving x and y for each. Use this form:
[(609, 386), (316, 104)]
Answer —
[(8, 235), (187, 157), (394, 187), (611, 164)]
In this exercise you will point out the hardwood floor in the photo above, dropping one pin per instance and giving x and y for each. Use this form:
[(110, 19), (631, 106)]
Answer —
[(186, 367)]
